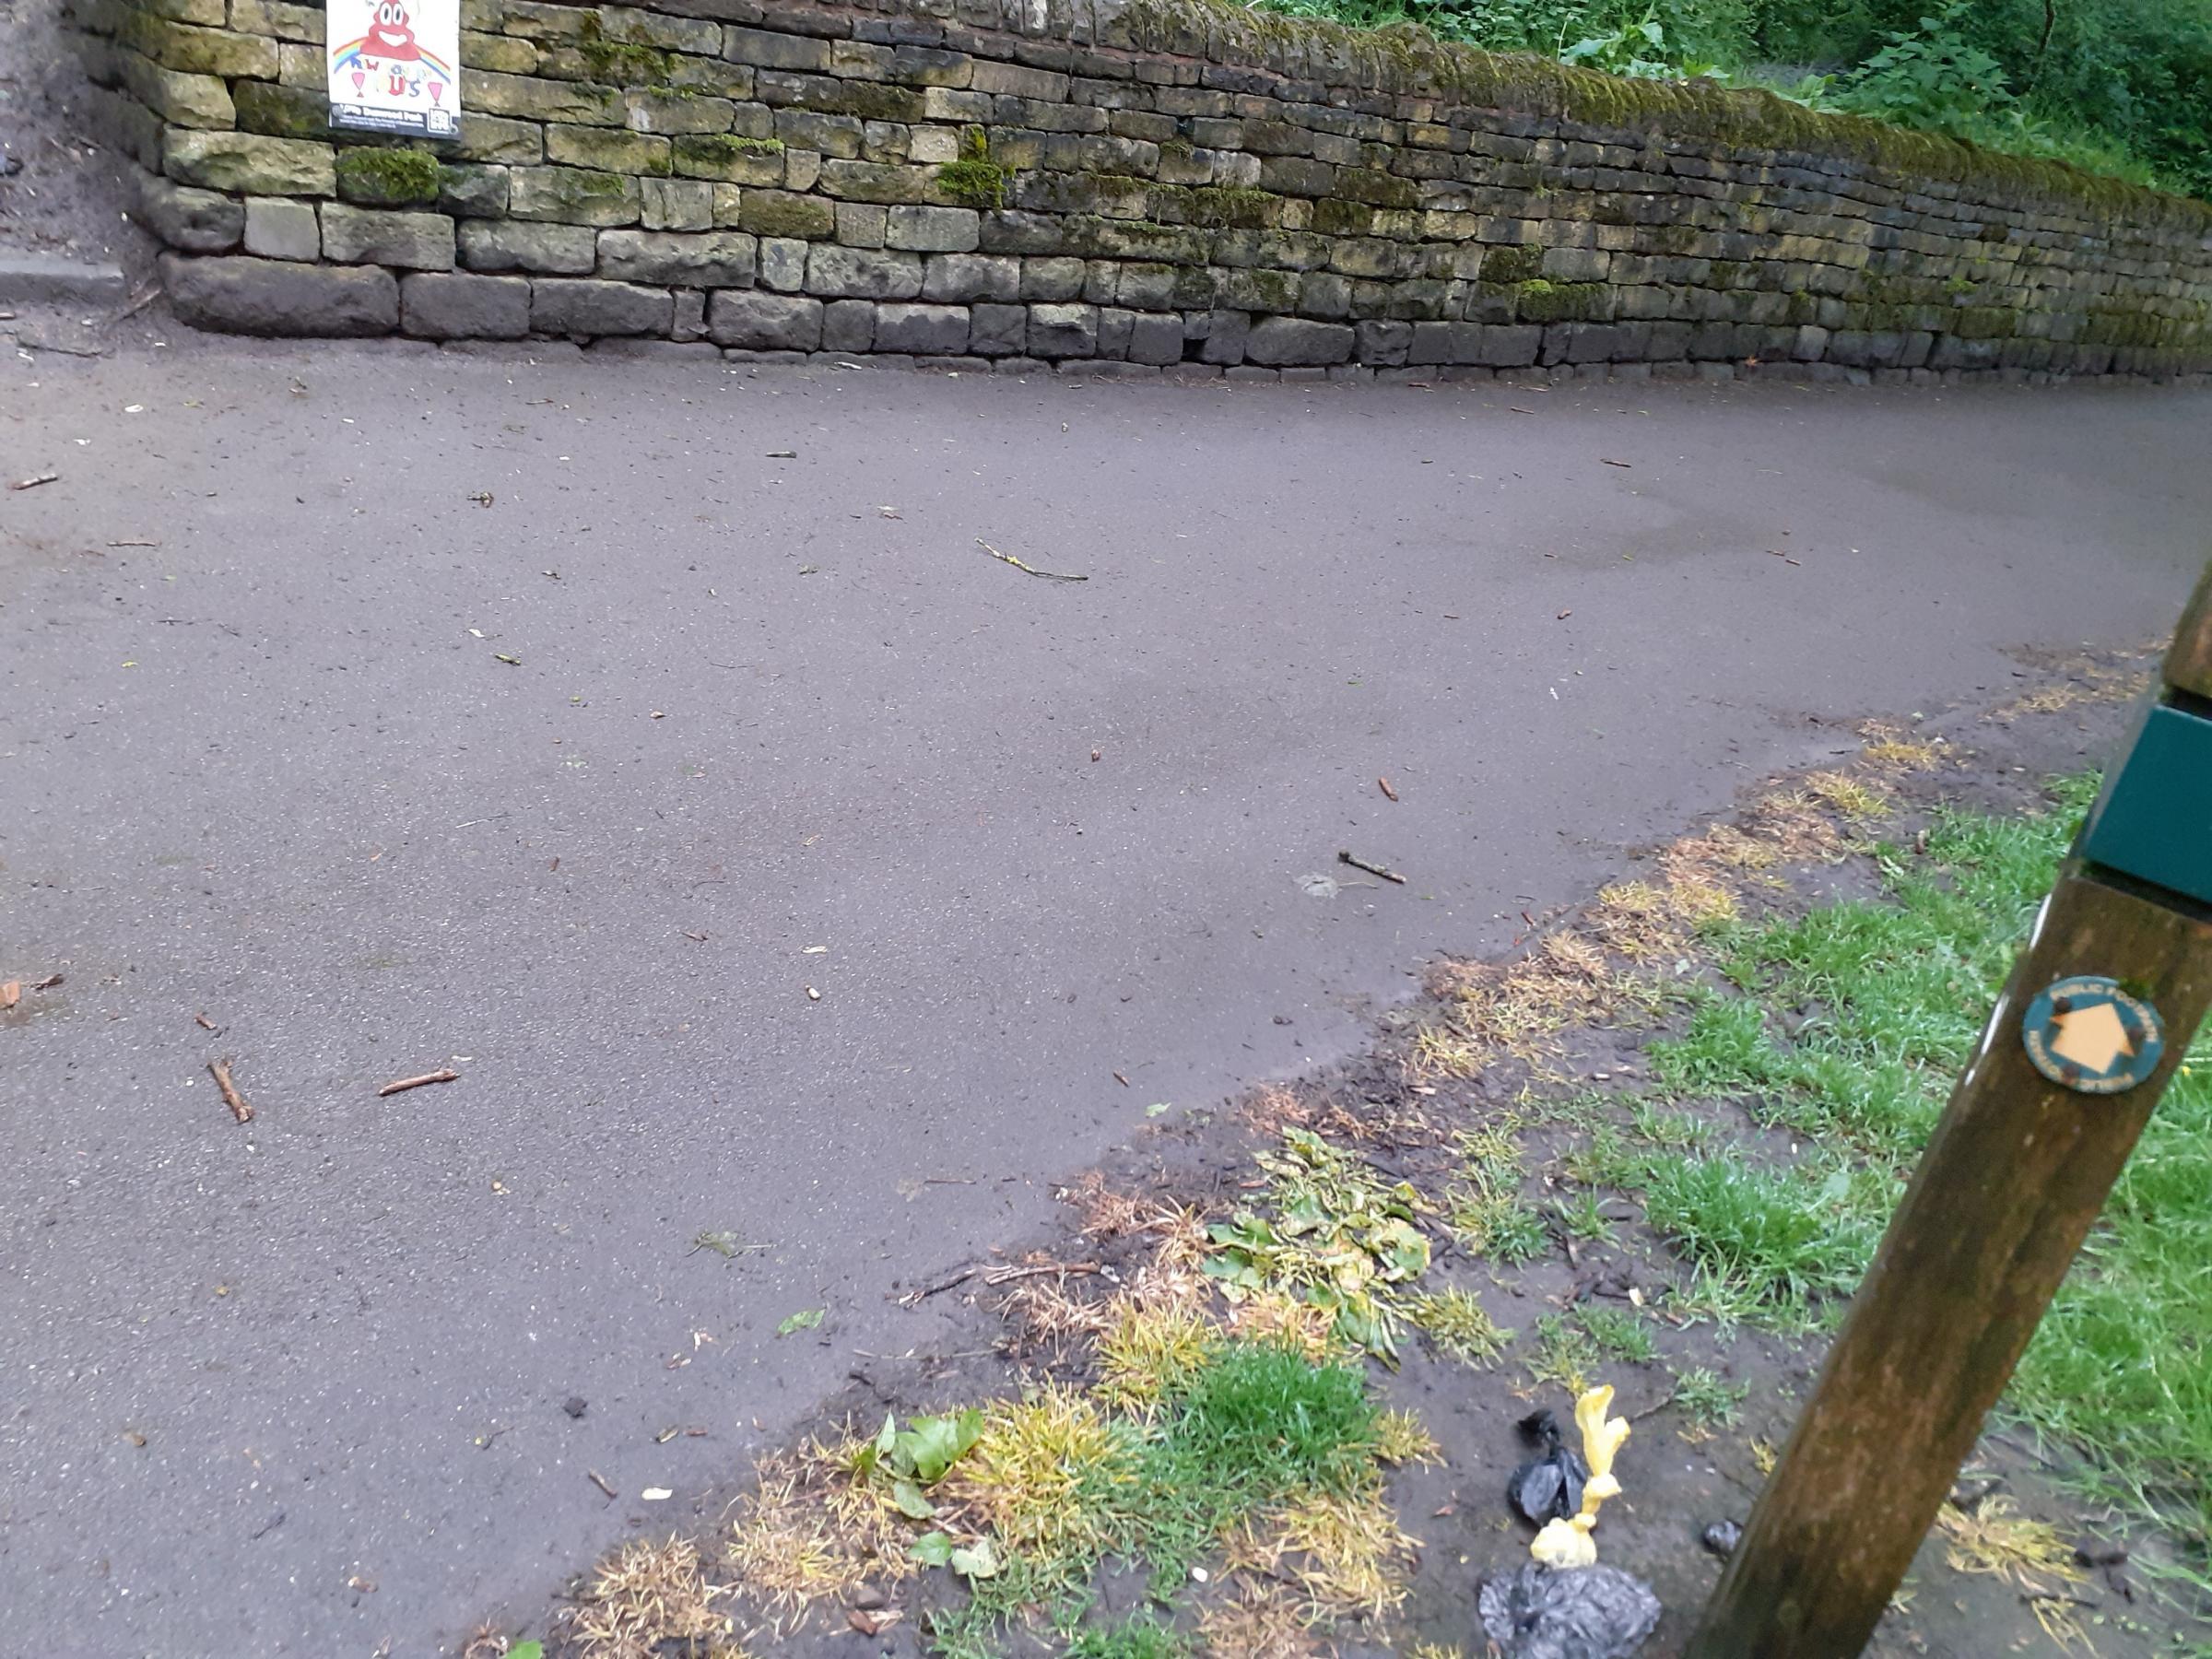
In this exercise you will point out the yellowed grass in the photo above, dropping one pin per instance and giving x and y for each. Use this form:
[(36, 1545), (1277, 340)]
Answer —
[(1440, 1052), (2092, 683), (1401, 1440), (1265, 1621), (812, 1532), (1275, 1316), (1104, 1213), (1855, 798), (1992, 1540), (645, 1595), (1024, 1479), (1889, 750), (1344, 1552), (1149, 1349), (1052, 1310), (1270, 1109)]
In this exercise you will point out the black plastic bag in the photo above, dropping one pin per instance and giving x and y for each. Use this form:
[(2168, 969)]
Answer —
[(1548, 1486), (1570, 1613)]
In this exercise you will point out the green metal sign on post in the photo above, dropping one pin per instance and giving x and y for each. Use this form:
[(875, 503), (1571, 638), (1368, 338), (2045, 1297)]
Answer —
[(2099, 1010)]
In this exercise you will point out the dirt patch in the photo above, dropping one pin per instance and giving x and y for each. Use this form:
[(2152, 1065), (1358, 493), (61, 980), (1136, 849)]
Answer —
[(60, 192)]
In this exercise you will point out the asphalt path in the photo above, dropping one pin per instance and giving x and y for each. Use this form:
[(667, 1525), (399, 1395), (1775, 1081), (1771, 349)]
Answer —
[(772, 862)]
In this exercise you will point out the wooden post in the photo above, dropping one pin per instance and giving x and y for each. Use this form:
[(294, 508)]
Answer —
[(2013, 1178)]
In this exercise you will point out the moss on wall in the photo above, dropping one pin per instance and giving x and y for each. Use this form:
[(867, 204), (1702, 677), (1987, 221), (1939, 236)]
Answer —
[(974, 179), (388, 178)]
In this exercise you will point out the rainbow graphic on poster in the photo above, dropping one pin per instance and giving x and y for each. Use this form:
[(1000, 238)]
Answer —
[(393, 67)]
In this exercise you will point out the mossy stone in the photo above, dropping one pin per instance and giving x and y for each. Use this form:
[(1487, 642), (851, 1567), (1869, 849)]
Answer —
[(388, 178)]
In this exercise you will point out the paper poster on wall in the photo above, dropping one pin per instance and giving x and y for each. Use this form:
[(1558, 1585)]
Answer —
[(393, 66)]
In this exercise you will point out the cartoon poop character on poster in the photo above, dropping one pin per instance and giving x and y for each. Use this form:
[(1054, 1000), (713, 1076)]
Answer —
[(388, 65)]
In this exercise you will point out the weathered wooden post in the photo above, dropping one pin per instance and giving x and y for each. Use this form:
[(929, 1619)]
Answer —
[(2099, 1011)]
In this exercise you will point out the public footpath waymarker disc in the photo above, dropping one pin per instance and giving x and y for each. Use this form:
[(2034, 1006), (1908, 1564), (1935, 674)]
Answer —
[(2087, 1034)]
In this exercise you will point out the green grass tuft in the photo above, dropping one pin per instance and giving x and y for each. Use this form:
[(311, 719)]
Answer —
[(1142, 1637)]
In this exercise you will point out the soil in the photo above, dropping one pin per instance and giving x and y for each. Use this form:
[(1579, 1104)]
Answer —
[(60, 192), (1678, 1481)]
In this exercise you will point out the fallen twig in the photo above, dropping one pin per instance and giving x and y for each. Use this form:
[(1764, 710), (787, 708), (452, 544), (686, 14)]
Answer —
[(443, 1074), (1612, 462), (1656, 1407), (599, 1480), (49, 983), (220, 1071), (145, 297), (1388, 792), (205, 1023), (1372, 869), (1032, 570), (914, 1298), (38, 479), (1007, 1276)]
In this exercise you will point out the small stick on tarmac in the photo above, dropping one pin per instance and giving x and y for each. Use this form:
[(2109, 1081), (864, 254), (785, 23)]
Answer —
[(441, 1076), (1372, 869), (220, 1071), (1032, 570)]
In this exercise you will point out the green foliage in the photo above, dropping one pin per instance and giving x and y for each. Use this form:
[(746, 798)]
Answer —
[(1142, 1637), (1620, 1332), (1256, 1424), (1933, 78), (1337, 1237), (974, 179), (1706, 1399), (918, 1456), (1888, 999), (2112, 86)]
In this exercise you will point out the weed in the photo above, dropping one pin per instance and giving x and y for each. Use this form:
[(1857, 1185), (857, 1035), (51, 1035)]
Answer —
[(1141, 1637), (1708, 1401), (1619, 1332), (1460, 1325), (1561, 1353), (974, 179), (1784, 1235), (1583, 1217), (1496, 1224), (1337, 1237)]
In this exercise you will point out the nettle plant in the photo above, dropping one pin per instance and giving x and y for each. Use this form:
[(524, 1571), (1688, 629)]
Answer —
[(1934, 78)]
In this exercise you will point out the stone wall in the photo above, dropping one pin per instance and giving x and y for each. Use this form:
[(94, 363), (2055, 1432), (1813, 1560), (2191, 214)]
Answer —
[(1118, 187)]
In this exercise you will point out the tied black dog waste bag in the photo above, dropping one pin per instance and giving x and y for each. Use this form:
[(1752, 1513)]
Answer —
[(1548, 1486)]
